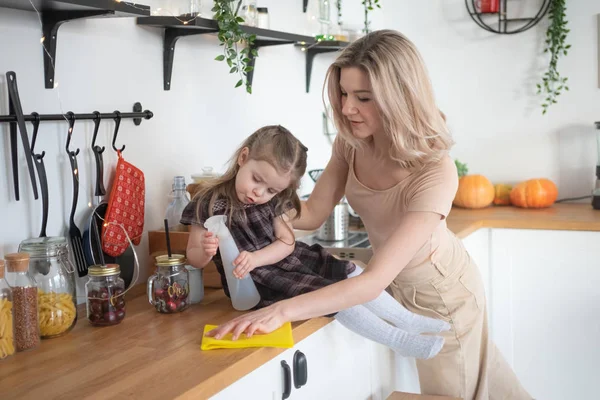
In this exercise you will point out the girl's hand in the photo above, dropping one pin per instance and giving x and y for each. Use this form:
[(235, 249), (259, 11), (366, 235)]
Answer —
[(262, 321), (210, 244), (244, 263)]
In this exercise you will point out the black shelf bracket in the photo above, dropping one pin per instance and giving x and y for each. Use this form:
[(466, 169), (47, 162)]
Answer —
[(51, 21), (312, 50), (304, 5), (171, 37), (258, 44)]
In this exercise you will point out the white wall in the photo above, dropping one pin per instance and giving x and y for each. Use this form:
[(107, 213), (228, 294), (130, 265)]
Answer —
[(485, 83)]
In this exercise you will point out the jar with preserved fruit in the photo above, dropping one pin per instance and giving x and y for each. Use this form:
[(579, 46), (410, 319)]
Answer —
[(105, 295)]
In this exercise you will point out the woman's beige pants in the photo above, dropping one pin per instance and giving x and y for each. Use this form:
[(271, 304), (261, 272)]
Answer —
[(469, 365)]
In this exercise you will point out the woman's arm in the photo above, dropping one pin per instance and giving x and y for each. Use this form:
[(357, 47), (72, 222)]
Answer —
[(328, 191), (413, 231)]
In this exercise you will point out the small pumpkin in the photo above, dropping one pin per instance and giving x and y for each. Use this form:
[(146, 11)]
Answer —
[(474, 191), (534, 193), (502, 197)]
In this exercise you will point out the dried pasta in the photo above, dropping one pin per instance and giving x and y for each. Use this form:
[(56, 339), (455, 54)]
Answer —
[(6, 329), (56, 313)]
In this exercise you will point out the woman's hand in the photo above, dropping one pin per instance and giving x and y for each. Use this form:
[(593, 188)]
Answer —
[(210, 244), (244, 263), (262, 321)]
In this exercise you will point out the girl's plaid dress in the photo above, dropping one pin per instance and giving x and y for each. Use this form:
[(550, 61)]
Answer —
[(308, 268)]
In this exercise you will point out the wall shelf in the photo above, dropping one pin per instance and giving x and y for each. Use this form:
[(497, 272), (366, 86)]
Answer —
[(175, 28), (56, 12), (313, 48), (505, 25)]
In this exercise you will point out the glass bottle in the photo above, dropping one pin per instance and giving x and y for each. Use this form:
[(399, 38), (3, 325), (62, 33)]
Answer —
[(194, 7), (104, 291), (54, 275), (168, 287), (175, 208), (263, 17), (249, 13), (25, 301), (7, 338)]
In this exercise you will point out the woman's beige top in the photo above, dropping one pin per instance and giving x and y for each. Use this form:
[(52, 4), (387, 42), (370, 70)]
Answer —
[(432, 188)]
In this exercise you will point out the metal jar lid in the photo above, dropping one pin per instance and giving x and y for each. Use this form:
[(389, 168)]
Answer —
[(104, 270), (166, 261)]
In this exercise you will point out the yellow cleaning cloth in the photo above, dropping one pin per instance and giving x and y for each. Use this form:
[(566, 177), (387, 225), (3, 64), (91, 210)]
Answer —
[(281, 337)]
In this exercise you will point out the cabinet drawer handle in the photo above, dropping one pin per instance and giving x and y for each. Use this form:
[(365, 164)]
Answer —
[(287, 380), (300, 369)]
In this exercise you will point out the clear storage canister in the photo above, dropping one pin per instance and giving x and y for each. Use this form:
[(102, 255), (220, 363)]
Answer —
[(54, 276)]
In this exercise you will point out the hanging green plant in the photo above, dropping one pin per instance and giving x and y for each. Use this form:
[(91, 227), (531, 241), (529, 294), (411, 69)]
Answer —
[(369, 6), (552, 82), (232, 37)]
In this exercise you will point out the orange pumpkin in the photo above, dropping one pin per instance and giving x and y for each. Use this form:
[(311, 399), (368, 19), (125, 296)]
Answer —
[(534, 193), (502, 197), (474, 191)]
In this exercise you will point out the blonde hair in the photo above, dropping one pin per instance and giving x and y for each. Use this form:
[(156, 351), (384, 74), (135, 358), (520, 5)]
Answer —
[(403, 93), (273, 144)]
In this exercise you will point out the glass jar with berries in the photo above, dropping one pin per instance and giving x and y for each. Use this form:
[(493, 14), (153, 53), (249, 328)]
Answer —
[(105, 295), (168, 288)]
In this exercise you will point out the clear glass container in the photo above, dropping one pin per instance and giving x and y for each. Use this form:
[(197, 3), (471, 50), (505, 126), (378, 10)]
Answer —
[(249, 13), (7, 337), (168, 287), (178, 203), (105, 299), (196, 284), (263, 18), (54, 275), (25, 301), (193, 7)]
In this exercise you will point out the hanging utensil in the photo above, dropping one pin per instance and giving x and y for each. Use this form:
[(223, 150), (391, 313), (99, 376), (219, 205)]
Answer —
[(74, 232), (41, 170), (15, 108)]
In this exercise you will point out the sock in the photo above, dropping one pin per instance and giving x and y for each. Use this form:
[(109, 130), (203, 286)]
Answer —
[(388, 308), (363, 322)]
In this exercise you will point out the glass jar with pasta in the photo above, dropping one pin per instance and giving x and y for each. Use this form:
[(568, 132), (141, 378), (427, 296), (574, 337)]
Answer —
[(7, 337), (105, 292), (54, 275)]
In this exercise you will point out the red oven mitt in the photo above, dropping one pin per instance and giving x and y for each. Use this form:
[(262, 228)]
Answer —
[(125, 208)]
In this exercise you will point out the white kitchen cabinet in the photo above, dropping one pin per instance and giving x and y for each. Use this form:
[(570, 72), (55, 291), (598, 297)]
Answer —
[(341, 365), (264, 383), (546, 309)]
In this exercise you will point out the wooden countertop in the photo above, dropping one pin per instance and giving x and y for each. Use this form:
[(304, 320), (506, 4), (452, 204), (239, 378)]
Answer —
[(147, 356), (155, 356), (562, 216)]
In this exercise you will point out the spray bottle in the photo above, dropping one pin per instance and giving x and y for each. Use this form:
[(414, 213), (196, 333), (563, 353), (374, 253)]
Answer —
[(243, 292)]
